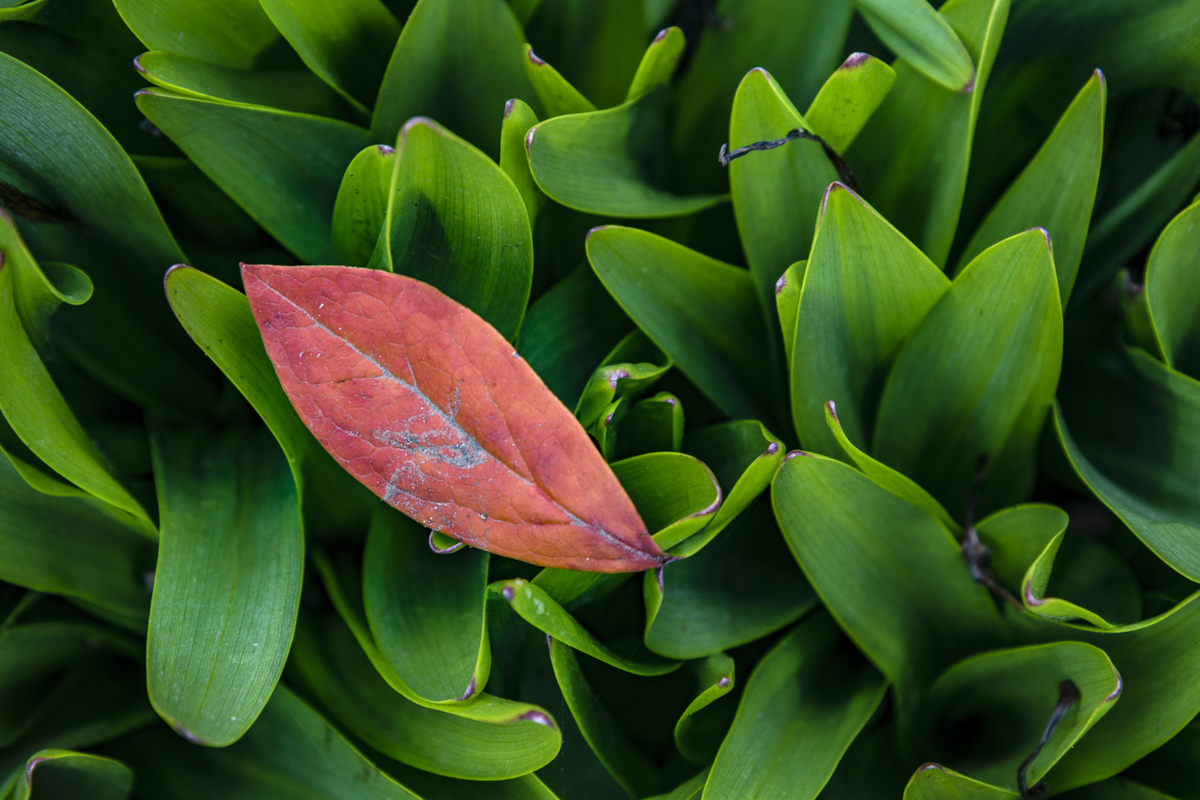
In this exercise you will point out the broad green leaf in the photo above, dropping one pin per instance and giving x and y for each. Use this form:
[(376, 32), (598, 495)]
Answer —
[(287, 90), (439, 787), (629, 370), (1127, 416), (67, 775), (348, 45), (776, 193), (360, 211), (811, 694), (911, 159), (738, 589), (688, 790), (658, 64), (291, 753), (38, 291), (341, 676), (923, 38), (22, 11), (518, 119), (1017, 537), (891, 574), (258, 155), (212, 216), (1172, 283), (541, 611), (1170, 768), (107, 559), (609, 162), (701, 312), (457, 222), (457, 61), (227, 585), (935, 782), (787, 305), (29, 398), (426, 610), (977, 378), (1119, 789), (1009, 695), (229, 33), (676, 494), (555, 92), (631, 767), (1098, 587), (848, 99), (652, 425), (1056, 189), (872, 768), (866, 289), (568, 330), (698, 735)]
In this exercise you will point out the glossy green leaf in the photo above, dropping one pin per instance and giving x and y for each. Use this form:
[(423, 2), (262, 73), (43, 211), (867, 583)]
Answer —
[(848, 99), (426, 610), (658, 64), (776, 193), (457, 61), (676, 495), (439, 787), (291, 753), (952, 399), (555, 92), (935, 782), (22, 11), (701, 312), (740, 588), (230, 34), (1097, 586), (890, 573), (347, 45), (630, 369), (1118, 789), (923, 38), (518, 119), (1171, 288), (342, 678), (67, 775), (652, 425), (698, 735), (1018, 536), (1056, 189), (227, 585), (812, 694), (688, 790), (457, 222), (1009, 695), (360, 211), (866, 289), (787, 305), (258, 154), (1124, 448), (1170, 768), (911, 159), (601, 162)]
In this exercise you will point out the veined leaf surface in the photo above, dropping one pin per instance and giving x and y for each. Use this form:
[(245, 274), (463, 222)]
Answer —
[(429, 407)]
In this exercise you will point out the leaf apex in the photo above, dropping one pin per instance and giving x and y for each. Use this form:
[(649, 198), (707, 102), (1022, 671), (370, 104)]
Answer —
[(533, 57), (855, 60)]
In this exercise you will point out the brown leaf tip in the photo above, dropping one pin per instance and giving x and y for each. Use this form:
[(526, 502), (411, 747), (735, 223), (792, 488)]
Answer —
[(470, 690), (931, 765), (855, 60), (772, 449), (795, 453), (137, 64), (781, 283), (661, 35), (1045, 235), (1117, 691), (538, 717), (724, 682), (172, 269), (970, 86), (529, 137), (671, 401), (615, 375), (534, 59), (386, 150)]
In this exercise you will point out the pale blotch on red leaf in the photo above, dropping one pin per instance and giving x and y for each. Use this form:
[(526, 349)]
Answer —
[(429, 406)]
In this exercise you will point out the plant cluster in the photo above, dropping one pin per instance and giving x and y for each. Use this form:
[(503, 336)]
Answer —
[(569, 281)]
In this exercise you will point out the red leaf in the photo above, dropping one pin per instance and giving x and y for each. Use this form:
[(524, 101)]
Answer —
[(434, 411)]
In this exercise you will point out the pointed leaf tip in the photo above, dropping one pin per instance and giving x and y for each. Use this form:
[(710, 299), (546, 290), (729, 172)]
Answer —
[(534, 58), (855, 60), (421, 401)]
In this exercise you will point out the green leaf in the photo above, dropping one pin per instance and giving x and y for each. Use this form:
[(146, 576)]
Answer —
[(1056, 189), (291, 753), (258, 154), (1009, 695), (66, 775), (701, 312), (501, 743), (891, 574), (555, 92), (438, 787), (739, 589), (787, 305), (227, 585), (676, 494), (228, 34), (212, 217), (347, 45), (1171, 288), (776, 193), (457, 222), (600, 162), (652, 425), (848, 99), (1118, 789), (812, 694), (1088, 572), (629, 370), (688, 790), (1170, 768), (658, 63), (457, 61), (866, 289), (953, 398), (699, 735), (426, 610), (923, 38), (935, 782), (518, 119), (911, 159), (360, 211)]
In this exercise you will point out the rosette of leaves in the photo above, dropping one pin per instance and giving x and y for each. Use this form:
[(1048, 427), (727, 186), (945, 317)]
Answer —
[(893, 404)]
